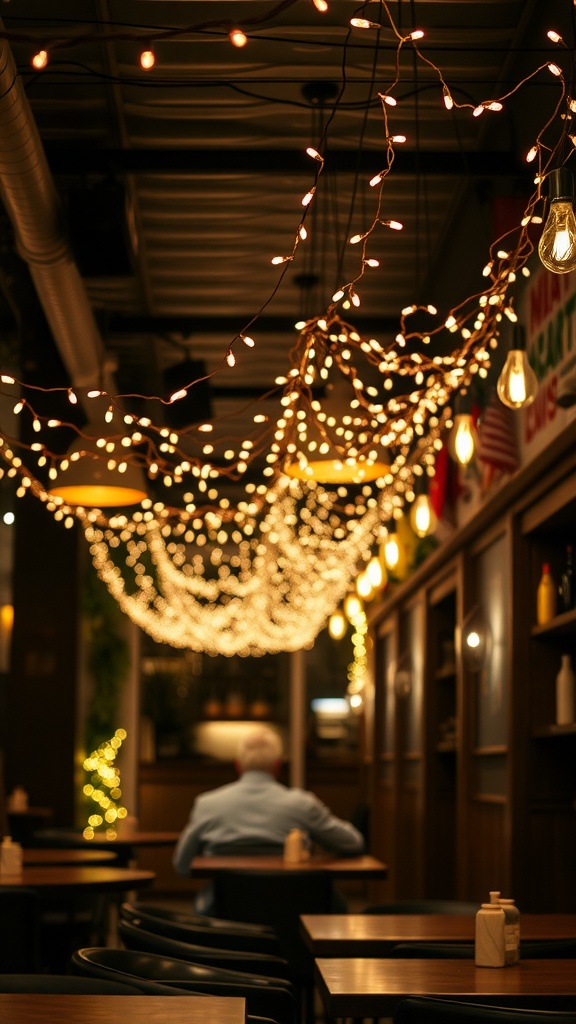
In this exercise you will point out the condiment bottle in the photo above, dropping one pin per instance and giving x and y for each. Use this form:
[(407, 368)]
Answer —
[(490, 938), (545, 597), (10, 857), (294, 846)]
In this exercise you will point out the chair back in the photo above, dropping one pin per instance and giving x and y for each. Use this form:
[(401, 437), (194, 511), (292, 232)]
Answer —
[(135, 935), (429, 1010), (204, 931), (276, 898), (151, 972)]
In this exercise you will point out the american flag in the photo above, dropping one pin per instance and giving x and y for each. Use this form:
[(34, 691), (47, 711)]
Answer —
[(497, 443)]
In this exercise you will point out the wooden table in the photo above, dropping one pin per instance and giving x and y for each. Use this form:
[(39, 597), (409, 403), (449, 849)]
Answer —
[(366, 987), (33, 1008), (339, 867), (78, 878), (49, 857), (370, 934), (125, 845)]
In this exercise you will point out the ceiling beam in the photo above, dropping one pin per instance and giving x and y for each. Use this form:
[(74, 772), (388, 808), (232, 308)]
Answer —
[(63, 160), (218, 324)]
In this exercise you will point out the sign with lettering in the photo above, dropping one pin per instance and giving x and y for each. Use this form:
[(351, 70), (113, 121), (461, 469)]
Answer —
[(548, 312)]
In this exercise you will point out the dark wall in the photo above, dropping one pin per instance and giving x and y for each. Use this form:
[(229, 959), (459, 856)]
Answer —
[(38, 727)]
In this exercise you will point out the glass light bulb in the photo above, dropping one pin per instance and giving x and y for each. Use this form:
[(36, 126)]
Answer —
[(462, 442), (517, 384), (557, 246), (391, 551), (364, 587), (375, 572), (352, 606), (337, 625), (422, 516)]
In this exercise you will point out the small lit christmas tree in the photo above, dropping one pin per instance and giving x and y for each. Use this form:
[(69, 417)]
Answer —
[(104, 788)]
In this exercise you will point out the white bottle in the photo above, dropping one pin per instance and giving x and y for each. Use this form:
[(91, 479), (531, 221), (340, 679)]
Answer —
[(10, 857), (565, 692), (490, 938)]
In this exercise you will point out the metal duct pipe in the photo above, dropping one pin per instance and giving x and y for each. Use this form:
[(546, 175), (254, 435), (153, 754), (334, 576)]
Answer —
[(33, 206)]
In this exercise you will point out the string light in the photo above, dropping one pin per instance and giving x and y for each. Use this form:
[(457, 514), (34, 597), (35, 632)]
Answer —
[(314, 535), (103, 789), (147, 59), (238, 38)]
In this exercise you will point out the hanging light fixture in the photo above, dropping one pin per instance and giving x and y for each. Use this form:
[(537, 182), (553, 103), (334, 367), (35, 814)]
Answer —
[(91, 481), (337, 625), (391, 546), (517, 384), (463, 437), (557, 246), (423, 518)]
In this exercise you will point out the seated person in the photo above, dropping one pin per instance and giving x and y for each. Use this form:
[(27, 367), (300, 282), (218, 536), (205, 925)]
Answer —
[(258, 812)]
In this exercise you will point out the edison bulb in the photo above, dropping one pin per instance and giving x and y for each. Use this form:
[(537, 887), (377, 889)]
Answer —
[(517, 384), (353, 606), (557, 246), (364, 587), (422, 516), (375, 572), (462, 442), (337, 625), (391, 551)]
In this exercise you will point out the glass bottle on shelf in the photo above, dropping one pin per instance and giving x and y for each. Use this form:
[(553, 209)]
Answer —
[(565, 692), (566, 588), (545, 597)]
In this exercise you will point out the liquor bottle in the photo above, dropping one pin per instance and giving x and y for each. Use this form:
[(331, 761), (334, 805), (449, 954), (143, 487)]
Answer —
[(566, 588), (545, 597), (565, 692)]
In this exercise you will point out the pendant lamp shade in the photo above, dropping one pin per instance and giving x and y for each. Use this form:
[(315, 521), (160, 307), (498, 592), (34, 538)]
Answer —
[(93, 482)]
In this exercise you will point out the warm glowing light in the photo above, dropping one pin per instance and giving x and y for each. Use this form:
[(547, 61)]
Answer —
[(353, 606), (147, 59), (237, 37), (337, 625), (40, 60), (517, 384), (557, 246), (462, 442), (422, 516)]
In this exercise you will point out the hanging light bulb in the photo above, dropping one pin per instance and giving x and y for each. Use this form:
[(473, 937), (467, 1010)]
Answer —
[(337, 625), (391, 547), (376, 573), (352, 606), (422, 516), (462, 440), (557, 246), (364, 587), (517, 384)]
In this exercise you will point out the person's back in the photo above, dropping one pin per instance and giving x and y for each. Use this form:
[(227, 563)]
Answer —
[(258, 811)]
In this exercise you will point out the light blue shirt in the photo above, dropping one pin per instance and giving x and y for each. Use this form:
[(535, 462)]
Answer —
[(256, 809)]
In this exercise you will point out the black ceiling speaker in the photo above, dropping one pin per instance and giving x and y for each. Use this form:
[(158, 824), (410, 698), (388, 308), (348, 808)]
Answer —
[(196, 407), (98, 230)]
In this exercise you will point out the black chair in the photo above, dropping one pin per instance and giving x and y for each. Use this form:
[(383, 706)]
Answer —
[(530, 949), (135, 935), (20, 917), (68, 984), (463, 907), (429, 1010), (162, 975), (202, 930)]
